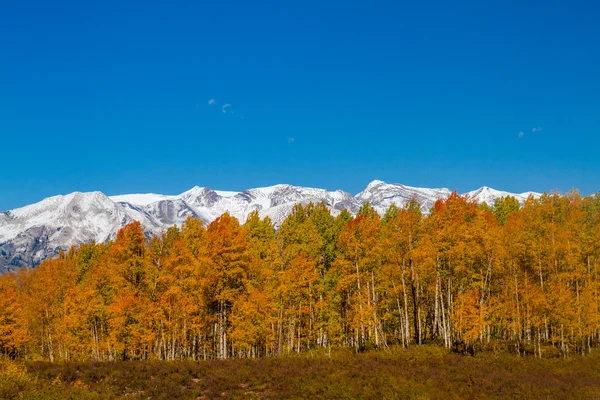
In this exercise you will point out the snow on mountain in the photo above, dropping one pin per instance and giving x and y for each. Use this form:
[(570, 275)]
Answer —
[(489, 195), (76, 211), (32, 233), (141, 199), (381, 195)]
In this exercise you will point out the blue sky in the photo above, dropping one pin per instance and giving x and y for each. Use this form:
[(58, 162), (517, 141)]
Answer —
[(114, 96)]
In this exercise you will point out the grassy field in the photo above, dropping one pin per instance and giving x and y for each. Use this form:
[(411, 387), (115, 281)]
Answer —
[(419, 373)]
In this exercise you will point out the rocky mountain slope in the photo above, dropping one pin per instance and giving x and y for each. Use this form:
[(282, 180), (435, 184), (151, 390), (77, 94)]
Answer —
[(32, 233)]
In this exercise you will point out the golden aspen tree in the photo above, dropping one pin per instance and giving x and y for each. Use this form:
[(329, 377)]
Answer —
[(357, 264), (227, 276), (300, 243), (13, 322), (401, 232), (257, 311)]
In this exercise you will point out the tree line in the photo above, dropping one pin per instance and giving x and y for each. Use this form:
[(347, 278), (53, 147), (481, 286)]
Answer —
[(464, 275)]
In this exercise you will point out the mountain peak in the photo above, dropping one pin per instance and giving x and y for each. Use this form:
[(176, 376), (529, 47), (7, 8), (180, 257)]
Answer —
[(193, 191), (374, 183)]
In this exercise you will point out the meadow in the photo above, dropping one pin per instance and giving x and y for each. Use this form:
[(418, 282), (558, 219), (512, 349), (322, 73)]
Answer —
[(421, 372)]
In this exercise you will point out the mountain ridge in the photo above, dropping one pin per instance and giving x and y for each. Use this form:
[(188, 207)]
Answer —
[(40, 230)]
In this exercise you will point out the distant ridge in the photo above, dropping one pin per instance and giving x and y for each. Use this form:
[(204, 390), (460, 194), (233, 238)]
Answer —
[(35, 232)]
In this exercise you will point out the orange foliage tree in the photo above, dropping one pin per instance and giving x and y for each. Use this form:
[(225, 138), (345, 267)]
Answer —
[(459, 275)]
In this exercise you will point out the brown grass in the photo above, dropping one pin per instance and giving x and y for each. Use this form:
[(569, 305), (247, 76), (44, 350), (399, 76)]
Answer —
[(419, 373)]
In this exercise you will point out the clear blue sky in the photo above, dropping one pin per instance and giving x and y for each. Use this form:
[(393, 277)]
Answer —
[(114, 96)]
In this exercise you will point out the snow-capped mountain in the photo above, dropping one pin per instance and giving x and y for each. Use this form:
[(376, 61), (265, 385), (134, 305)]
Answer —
[(489, 195), (32, 233), (381, 195)]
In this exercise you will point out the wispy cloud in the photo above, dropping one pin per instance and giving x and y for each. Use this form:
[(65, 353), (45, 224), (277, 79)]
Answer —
[(533, 130), (291, 140), (226, 108)]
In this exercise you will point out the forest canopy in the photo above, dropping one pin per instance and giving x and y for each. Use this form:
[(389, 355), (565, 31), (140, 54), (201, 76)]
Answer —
[(465, 275)]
